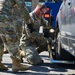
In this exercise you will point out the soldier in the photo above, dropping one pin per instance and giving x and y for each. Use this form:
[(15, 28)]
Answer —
[(37, 16), (8, 32), (31, 39)]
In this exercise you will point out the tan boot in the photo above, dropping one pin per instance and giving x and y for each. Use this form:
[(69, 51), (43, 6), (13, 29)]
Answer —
[(22, 53), (16, 66), (5, 51), (2, 67)]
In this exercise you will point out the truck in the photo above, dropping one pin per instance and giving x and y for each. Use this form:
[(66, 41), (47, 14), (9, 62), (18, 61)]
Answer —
[(62, 49), (50, 16)]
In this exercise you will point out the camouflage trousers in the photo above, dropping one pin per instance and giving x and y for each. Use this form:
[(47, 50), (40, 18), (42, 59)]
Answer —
[(29, 46), (32, 55), (9, 37)]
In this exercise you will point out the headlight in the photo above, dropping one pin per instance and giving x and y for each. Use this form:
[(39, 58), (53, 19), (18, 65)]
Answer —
[(51, 30)]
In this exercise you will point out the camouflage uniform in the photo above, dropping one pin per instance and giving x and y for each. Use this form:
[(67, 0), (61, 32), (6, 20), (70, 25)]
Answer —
[(9, 21), (41, 42), (31, 40)]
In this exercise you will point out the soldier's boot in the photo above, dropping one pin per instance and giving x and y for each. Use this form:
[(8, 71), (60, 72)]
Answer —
[(17, 66), (22, 53), (5, 51), (2, 67)]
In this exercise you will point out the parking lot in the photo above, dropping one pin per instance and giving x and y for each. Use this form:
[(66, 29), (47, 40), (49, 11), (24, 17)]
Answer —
[(46, 68)]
